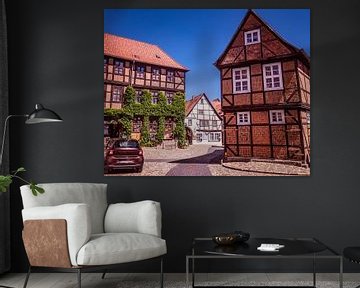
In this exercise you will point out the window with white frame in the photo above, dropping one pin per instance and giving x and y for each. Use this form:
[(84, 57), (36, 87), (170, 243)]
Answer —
[(138, 96), (214, 123), (155, 74), (105, 65), (243, 118), (308, 117), (169, 97), (277, 117), (170, 76), (204, 123), (116, 94), (214, 137), (272, 76), (241, 80), (136, 125), (252, 37), (155, 97), (119, 68), (189, 122), (199, 137), (201, 112), (140, 71), (106, 130)]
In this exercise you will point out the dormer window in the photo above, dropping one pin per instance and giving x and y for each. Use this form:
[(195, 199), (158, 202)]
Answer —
[(252, 37)]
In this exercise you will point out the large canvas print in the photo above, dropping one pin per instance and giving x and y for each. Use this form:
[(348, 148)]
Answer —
[(197, 92)]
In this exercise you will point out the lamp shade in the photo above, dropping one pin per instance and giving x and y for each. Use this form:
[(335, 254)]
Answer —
[(42, 115)]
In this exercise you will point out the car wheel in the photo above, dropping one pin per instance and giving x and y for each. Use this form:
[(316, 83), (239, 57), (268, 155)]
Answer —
[(139, 170)]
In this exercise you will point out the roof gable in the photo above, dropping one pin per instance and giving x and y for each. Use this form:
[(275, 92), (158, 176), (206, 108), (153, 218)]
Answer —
[(272, 45), (190, 104), (138, 51), (216, 103)]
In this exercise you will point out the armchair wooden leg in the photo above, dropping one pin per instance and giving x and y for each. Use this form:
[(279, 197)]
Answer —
[(27, 277), (79, 277), (161, 273), (103, 275)]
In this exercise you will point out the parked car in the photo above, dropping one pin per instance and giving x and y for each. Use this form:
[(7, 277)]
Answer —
[(123, 154)]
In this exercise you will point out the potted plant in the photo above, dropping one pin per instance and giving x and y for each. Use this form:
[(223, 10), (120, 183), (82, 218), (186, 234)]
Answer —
[(6, 180)]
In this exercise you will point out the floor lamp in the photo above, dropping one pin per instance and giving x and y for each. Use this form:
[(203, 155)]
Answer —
[(39, 115)]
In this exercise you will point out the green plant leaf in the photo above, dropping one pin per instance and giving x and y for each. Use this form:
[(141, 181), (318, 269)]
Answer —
[(20, 169), (5, 182), (39, 189), (36, 189)]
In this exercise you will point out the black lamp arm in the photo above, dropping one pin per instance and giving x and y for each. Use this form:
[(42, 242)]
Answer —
[(4, 134)]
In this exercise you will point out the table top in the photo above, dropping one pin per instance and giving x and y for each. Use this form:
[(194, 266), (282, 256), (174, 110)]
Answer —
[(292, 247)]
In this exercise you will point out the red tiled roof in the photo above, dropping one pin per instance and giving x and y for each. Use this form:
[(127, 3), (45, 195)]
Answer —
[(129, 49), (190, 104), (216, 103), (252, 12)]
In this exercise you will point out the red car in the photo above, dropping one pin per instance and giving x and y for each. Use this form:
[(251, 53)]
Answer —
[(123, 154)]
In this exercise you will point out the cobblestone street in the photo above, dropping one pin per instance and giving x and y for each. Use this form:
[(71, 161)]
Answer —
[(205, 160)]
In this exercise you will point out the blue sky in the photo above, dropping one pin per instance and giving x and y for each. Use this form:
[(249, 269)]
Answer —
[(196, 37)]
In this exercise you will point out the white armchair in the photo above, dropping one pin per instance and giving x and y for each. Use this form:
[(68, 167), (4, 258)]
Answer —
[(72, 228)]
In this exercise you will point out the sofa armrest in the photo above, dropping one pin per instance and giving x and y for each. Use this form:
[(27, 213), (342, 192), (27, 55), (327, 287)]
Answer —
[(138, 217), (77, 217)]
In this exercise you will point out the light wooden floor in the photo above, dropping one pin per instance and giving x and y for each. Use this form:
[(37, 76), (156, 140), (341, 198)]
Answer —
[(116, 280)]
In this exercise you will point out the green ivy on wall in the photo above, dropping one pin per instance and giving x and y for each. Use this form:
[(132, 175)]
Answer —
[(146, 109)]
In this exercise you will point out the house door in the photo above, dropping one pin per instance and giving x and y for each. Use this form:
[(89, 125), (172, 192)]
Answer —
[(189, 135)]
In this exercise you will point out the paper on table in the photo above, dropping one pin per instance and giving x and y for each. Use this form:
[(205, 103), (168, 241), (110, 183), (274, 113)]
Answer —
[(270, 247)]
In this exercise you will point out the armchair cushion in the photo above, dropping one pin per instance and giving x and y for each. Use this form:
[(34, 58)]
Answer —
[(92, 194), (138, 217), (77, 218), (113, 248)]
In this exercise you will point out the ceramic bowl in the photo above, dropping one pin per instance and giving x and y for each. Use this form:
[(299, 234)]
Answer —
[(225, 239)]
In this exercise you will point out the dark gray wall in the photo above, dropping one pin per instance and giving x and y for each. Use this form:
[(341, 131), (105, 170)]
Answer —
[(56, 58)]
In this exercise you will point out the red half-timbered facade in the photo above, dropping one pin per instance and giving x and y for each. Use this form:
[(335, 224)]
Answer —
[(265, 89), (143, 66)]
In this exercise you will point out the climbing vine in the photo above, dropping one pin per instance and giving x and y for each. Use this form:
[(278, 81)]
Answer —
[(161, 130), (145, 133), (179, 114), (146, 109)]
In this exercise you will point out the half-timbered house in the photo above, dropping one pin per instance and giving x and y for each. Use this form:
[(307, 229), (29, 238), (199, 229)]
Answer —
[(203, 121), (265, 89), (143, 66)]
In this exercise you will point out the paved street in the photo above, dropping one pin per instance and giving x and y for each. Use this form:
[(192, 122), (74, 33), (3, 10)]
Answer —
[(196, 160), (205, 160)]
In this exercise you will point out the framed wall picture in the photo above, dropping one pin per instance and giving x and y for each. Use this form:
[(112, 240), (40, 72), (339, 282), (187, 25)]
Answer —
[(224, 93)]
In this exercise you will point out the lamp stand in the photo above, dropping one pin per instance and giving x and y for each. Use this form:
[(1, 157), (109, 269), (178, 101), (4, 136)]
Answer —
[(4, 135)]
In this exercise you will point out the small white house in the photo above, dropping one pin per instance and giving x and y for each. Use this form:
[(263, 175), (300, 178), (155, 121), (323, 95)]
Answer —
[(202, 122)]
